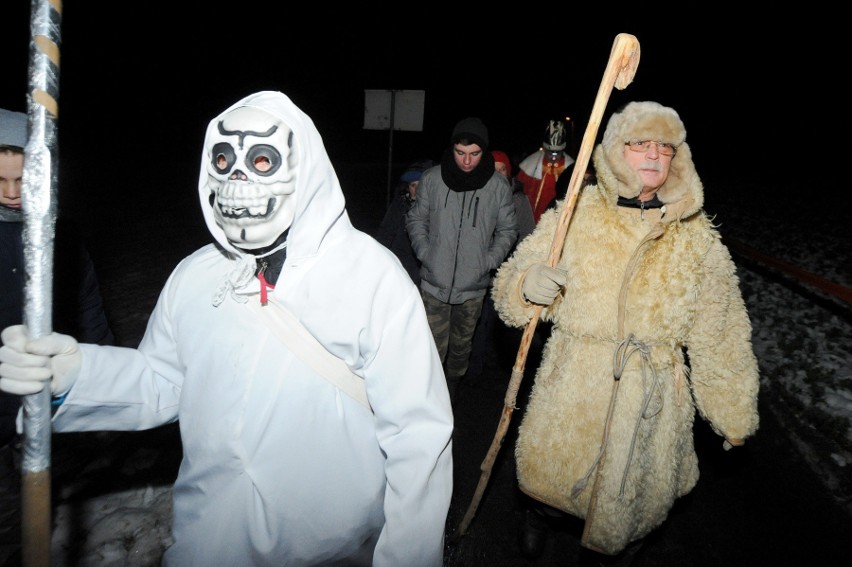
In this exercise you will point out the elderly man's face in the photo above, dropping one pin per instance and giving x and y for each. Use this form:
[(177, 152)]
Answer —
[(652, 166)]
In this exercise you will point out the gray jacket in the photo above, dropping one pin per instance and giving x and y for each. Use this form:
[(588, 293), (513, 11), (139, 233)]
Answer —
[(460, 237)]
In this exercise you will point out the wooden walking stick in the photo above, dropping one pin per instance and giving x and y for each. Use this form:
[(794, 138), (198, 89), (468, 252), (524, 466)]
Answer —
[(38, 198), (620, 69)]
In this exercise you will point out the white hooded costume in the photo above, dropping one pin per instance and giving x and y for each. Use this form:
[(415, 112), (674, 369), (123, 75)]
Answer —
[(279, 466)]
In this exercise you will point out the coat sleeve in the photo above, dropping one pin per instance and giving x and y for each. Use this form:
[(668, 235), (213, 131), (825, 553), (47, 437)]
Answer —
[(724, 370), (78, 304), (417, 219), (506, 230), (93, 320), (414, 426), (512, 307), (143, 385)]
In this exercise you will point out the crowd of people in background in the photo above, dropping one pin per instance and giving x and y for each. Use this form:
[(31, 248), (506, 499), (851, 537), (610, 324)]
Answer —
[(468, 327)]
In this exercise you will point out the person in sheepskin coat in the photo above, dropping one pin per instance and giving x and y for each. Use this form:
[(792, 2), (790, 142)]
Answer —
[(649, 325)]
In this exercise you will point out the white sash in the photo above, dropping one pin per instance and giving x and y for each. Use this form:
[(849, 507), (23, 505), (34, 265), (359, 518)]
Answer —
[(303, 344)]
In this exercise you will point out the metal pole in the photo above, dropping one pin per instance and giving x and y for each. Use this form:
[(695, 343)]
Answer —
[(38, 197)]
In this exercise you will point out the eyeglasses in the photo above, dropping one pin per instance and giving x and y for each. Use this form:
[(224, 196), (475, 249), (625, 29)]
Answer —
[(664, 148)]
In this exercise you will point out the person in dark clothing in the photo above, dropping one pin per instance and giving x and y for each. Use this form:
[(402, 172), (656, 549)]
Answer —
[(391, 231), (78, 308), (462, 226)]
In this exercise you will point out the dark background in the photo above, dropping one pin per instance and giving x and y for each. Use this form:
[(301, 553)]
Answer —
[(138, 85)]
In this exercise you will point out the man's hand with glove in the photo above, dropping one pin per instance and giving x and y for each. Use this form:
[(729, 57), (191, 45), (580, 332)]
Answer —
[(542, 283), (26, 366)]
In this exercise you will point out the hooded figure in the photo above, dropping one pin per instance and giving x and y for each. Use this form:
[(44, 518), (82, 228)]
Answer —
[(280, 466), (649, 328)]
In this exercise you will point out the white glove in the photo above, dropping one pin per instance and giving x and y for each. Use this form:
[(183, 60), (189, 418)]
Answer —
[(27, 365), (542, 283)]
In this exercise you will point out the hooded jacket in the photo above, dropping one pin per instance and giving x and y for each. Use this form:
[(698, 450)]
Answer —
[(651, 320), (460, 236), (279, 466)]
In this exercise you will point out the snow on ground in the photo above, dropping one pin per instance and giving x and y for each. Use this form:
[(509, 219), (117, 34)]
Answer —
[(802, 335)]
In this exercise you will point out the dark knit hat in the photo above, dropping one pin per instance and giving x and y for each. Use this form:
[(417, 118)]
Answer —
[(415, 171), (471, 130)]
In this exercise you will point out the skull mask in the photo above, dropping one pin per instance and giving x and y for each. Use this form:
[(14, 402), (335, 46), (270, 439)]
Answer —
[(252, 166)]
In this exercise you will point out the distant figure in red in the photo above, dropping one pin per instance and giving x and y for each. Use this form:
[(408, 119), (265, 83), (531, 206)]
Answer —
[(540, 170)]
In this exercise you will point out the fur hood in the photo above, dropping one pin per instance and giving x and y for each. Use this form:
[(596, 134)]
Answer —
[(682, 192)]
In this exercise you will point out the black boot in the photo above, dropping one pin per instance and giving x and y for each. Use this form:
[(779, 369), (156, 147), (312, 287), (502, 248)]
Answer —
[(533, 534)]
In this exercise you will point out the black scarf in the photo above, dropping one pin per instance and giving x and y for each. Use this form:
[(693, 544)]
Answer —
[(460, 181), (270, 265)]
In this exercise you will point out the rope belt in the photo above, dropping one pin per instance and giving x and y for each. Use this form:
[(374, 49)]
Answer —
[(650, 385)]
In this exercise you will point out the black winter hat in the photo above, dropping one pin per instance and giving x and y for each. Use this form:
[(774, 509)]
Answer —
[(473, 130)]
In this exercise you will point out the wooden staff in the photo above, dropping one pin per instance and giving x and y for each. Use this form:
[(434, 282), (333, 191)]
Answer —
[(38, 197), (620, 69)]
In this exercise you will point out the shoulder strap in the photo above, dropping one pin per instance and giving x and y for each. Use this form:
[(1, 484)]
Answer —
[(303, 344)]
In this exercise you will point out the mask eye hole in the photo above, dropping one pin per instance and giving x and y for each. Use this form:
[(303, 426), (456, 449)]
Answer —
[(223, 157), (263, 159), (262, 163)]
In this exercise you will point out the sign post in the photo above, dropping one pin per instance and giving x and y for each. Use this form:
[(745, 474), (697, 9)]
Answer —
[(393, 110)]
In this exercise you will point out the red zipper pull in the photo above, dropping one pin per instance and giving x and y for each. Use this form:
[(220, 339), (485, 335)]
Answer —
[(264, 285)]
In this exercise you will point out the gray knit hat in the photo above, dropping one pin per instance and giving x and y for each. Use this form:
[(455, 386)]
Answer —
[(13, 128)]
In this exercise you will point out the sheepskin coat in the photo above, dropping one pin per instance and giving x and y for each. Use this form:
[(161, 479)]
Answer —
[(652, 297)]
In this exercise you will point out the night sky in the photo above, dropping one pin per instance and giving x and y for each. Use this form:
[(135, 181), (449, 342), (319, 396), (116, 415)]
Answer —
[(138, 88)]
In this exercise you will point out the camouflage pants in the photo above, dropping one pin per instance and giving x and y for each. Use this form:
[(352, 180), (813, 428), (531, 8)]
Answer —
[(453, 327)]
